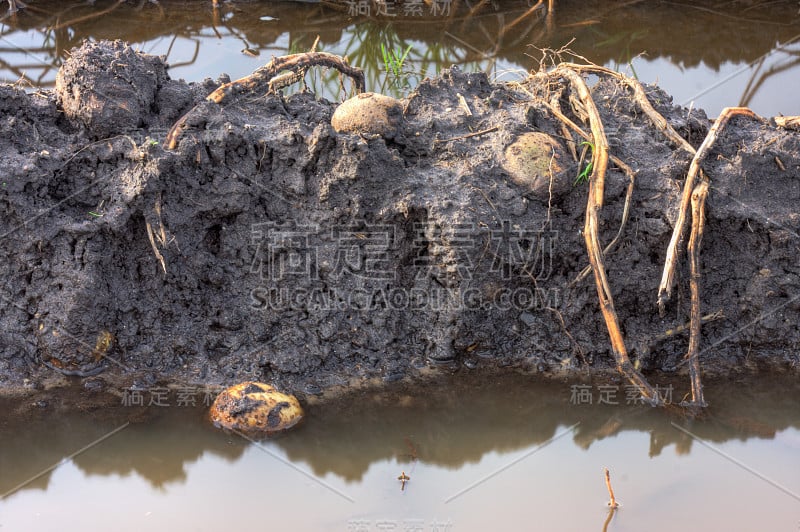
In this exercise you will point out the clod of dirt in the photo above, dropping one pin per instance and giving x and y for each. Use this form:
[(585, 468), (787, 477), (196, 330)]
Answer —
[(369, 114), (255, 408), (537, 162), (108, 97)]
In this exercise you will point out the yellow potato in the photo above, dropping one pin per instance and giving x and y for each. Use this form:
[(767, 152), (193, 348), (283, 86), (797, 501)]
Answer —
[(368, 113), (255, 408)]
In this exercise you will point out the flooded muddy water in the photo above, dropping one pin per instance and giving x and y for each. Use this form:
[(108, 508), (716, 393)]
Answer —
[(707, 54), (485, 452)]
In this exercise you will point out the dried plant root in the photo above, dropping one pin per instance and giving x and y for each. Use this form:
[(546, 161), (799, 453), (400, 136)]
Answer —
[(788, 122), (640, 97), (260, 79), (669, 333), (612, 501), (692, 355), (626, 210), (591, 232), (665, 288)]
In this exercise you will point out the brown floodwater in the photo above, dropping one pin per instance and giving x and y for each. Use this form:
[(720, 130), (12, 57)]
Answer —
[(483, 452), (706, 54)]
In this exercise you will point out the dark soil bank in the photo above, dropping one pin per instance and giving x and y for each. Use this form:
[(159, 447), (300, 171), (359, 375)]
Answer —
[(267, 246)]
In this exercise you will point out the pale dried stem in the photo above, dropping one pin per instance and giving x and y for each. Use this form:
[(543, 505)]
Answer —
[(612, 503), (662, 125), (555, 107), (788, 122), (261, 77), (591, 235), (565, 121), (665, 287), (640, 97), (151, 237), (692, 356)]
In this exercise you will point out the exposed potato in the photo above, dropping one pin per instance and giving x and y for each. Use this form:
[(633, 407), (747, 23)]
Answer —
[(533, 160), (255, 408), (368, 113)]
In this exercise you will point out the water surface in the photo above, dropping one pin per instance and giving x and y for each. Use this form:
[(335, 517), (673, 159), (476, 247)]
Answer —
[(483, 452)]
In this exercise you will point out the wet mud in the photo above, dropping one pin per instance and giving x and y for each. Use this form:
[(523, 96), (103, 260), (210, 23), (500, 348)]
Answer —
[(266, 246)]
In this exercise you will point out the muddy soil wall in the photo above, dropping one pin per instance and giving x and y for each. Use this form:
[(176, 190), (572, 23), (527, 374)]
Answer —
[(268, 246)]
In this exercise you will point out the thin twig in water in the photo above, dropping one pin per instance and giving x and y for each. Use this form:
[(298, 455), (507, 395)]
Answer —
[(612, 502)]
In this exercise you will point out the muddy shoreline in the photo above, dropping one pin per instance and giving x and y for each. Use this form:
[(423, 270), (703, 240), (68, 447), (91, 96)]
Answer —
[(269, 247)]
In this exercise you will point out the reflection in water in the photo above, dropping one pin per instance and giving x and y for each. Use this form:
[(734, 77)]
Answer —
[(741, 53), (450, 438), (454, 426), (155, 445)]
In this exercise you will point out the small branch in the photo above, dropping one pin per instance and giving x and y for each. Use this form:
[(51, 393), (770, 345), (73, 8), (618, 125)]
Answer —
[(788, 122), (555, 107), (597, 183), (619, 164), (612, 503), (468, 135), (159, 257), (261, 78), (626, 212), (714, 316), (262, 75), (609, 517)]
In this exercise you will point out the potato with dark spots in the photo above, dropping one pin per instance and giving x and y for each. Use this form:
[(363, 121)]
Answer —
[(256, 409)]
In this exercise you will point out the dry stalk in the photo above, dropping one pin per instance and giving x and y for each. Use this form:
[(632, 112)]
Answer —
[(788, 122), (665, 288), (626, 210), (158, 235), (692, 356), (261, 77), (159, 257), (640, 97), (612, 502), (591, 235), (610, 516), (669, 333), (289, 78)]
